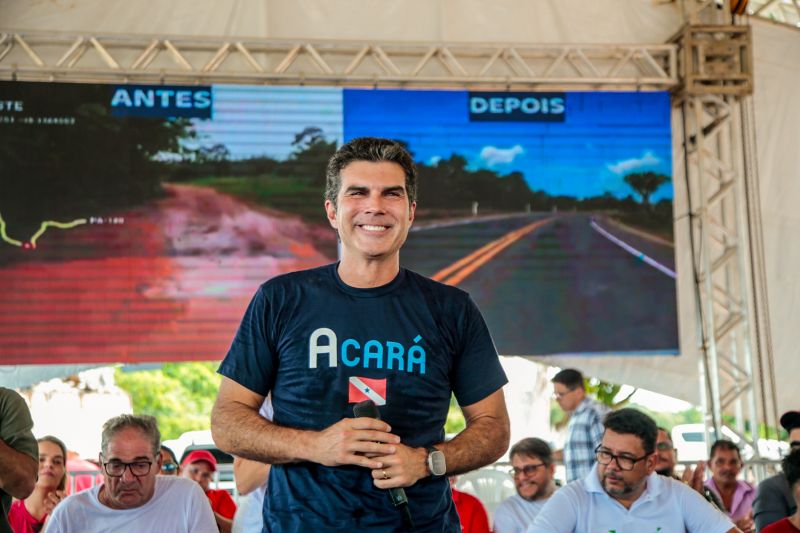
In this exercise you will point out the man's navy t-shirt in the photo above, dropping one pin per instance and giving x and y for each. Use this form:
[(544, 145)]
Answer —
[(320, 346)]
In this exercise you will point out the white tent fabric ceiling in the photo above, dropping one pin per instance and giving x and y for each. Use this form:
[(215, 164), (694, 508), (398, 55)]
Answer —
[(777, 111)]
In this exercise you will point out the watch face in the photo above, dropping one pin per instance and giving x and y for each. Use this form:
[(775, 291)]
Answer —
[(436, 463)]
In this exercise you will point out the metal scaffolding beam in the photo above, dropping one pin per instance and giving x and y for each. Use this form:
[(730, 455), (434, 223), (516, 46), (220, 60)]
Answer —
[(71, 57), (718, 139)]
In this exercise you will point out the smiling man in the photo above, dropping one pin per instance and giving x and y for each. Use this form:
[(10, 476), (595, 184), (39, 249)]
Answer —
[(623, 493), (736, 495), (133, 495), (322, 340), (532, 468)]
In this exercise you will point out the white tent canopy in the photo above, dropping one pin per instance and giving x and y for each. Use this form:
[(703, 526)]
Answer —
[(777, 113)]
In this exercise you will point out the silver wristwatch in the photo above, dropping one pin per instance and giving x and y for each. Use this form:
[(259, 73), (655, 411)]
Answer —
[(436, 464)]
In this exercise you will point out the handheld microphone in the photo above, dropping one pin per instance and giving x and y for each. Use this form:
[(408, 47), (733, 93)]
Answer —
[(368, 409)]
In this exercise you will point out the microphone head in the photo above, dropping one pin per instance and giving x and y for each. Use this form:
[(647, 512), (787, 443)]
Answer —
[(367, 408)]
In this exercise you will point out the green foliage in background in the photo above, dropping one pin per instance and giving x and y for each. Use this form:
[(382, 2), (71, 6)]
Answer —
[(455, 418), (179, 395)]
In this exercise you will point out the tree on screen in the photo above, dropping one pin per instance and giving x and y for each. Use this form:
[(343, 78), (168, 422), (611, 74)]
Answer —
[(645, 184)]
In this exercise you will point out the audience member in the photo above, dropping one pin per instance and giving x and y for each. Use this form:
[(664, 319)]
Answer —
[(471, 512), (169, 463), (19, 453), (791, 471), (533, 471), (774, 499), (133, 496), (736, 495), (694, 477), (29, 515), (585, 426), (199, 466), (623, 493), (665, 454)]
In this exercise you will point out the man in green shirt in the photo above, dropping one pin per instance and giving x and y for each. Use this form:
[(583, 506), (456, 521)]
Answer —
[(19, 453)]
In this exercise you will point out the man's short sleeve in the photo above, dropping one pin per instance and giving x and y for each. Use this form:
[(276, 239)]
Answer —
[(560, 513), (16, 424), (250, 361), (700, 516), (200, 517), (477, 372)]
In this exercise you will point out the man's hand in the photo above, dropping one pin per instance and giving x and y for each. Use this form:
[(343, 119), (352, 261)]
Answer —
[(51, 500), (746, 524), (694, 476), (355, 441), (401, 469)]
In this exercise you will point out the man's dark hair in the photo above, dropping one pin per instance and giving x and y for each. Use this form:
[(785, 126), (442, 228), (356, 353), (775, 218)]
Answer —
[(570, 378), (791, 467), (533, 447), (375, 150), (632, 422), (725, 444)]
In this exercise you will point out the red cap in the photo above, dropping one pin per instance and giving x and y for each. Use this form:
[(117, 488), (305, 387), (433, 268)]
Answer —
[(200, 455)]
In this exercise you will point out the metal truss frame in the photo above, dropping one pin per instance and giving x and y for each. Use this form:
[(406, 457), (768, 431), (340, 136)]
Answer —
[(47, 56), (727, 249), (781, 11), (715, 166)]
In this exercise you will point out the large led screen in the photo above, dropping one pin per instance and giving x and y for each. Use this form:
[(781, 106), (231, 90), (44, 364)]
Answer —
[(137, 221)]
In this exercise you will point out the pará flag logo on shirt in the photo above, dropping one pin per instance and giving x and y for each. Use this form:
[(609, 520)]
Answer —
[(361, 389)]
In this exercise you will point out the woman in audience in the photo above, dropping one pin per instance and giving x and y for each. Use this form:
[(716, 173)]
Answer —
[(29, 515)]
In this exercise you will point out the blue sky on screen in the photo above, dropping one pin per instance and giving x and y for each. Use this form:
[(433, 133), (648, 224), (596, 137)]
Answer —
[(604, 137)]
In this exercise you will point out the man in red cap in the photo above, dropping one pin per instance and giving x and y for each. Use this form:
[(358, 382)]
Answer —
[(200, 466), (774, 499)]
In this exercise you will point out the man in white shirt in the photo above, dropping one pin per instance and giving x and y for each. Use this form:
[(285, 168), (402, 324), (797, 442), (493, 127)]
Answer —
[(533, 470), (133, 495), (623, 493)]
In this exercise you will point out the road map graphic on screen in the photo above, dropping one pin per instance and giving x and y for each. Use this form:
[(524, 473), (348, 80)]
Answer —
[(137, 221)]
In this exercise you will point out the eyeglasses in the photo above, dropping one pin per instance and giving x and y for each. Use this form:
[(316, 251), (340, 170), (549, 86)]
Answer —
[(117, 468), (169, 467), (527, 470), (559, 395), (794, 444), (664, 446), (624, 462)]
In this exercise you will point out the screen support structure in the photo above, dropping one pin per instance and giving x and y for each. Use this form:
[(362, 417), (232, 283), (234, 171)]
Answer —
[(708, 67), (715, 103)]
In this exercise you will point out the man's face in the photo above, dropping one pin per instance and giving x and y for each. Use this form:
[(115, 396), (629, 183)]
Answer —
[(373, 214), (201, 472), (532, 478), (568, 399), (128, 491), (725, 466), (665, 454), (625, 484)]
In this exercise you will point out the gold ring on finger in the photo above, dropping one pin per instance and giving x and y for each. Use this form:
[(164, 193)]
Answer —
[(385, 475)]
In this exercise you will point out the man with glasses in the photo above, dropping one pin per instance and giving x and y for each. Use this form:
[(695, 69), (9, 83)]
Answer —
[(133, 496), (532, 470), (585, 422), (735, 494), (774, 499), (623, 493)]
